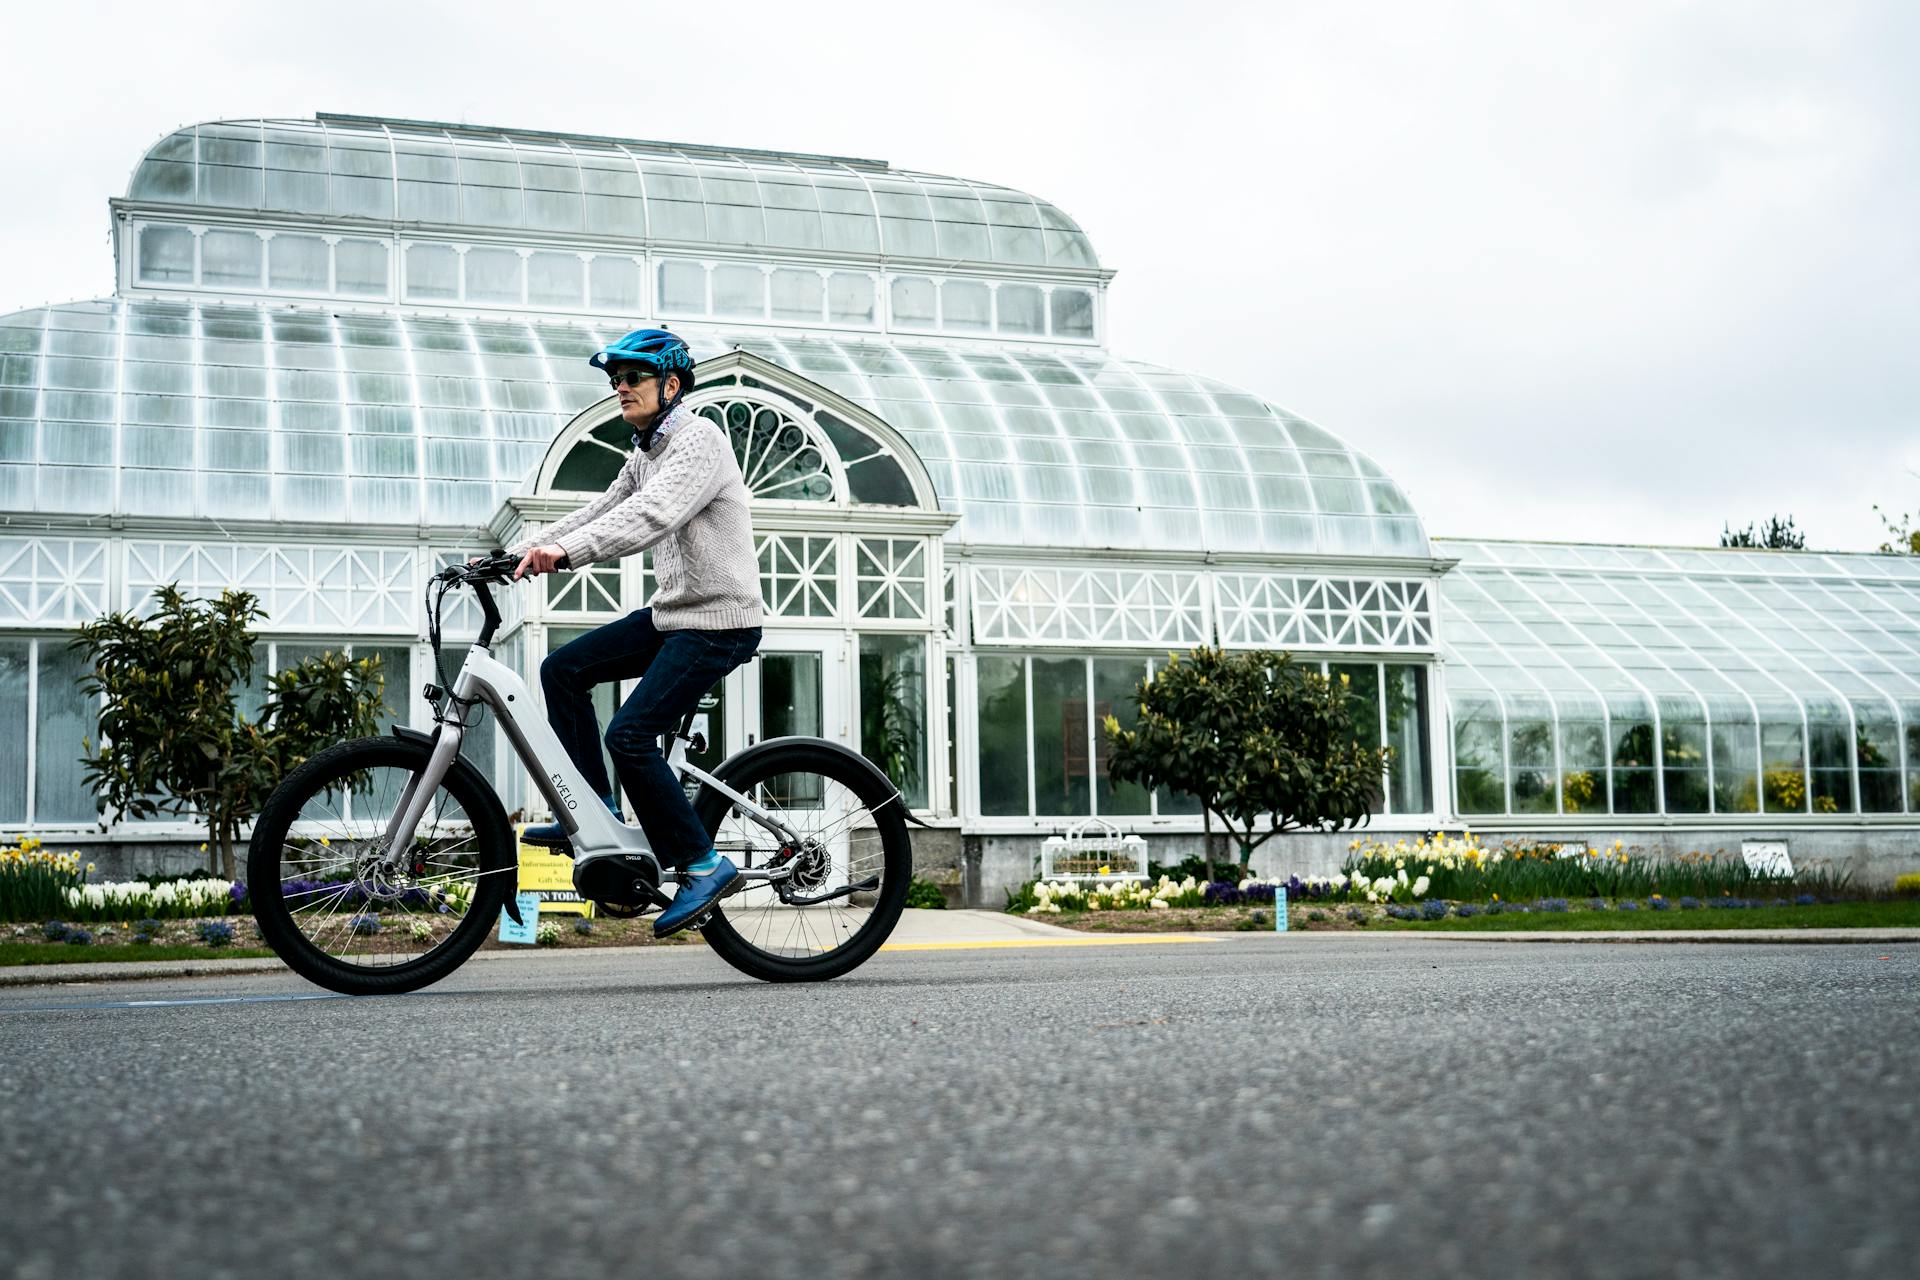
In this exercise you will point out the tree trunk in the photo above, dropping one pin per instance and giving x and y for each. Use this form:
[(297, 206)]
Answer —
[(1206, 839), (227, 868)]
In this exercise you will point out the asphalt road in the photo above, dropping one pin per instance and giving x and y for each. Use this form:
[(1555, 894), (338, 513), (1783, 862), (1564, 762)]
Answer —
[(1374, 1106)]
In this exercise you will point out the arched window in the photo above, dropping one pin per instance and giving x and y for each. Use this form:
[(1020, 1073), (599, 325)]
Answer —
[(792, 447)]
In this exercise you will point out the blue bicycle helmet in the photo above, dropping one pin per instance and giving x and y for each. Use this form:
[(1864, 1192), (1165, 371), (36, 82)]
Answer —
[(662, 354), (653, 349)]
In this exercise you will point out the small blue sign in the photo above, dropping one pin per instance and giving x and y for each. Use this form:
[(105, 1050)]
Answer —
[(528, 931), (1280, 909)]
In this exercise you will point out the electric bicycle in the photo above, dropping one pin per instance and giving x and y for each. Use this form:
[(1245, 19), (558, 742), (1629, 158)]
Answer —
[(382, 863)]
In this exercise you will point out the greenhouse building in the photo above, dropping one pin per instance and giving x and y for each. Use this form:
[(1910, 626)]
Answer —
[(343, 351)]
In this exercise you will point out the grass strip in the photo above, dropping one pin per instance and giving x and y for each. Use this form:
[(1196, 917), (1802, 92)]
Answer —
[(18, 953)]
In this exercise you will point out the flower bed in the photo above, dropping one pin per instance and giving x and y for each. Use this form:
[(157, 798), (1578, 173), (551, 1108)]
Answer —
[(33, 882), (1462, 869)]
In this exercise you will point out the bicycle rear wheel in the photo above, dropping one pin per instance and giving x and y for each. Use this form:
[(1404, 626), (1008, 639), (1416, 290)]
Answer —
[(850, 867), (333, 914)]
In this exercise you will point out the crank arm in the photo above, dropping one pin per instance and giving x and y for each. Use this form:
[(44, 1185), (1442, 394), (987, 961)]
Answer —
[(865, 886)]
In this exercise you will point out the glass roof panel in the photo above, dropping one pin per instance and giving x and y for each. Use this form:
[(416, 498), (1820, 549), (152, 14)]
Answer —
[(1074, 451), (417, 172), (1737, 638)]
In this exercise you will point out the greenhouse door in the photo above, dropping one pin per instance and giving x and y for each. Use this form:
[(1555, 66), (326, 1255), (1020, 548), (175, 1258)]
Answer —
[(795, 686)]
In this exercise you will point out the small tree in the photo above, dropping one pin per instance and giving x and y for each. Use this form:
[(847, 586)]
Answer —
[(1903, 533), (1776, 535), (1251, 736), (172, 739)]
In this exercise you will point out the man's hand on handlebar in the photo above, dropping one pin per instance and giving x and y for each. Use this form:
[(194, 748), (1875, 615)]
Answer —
[(541, 560)]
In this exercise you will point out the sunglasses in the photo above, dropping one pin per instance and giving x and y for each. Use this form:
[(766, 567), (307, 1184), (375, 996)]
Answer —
[(627, 378)]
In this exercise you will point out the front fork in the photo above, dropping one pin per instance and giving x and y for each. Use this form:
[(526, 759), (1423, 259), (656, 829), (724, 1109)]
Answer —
[(419, 794)]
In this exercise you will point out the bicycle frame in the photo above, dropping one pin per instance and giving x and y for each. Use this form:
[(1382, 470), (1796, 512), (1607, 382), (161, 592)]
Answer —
[(484, 681)]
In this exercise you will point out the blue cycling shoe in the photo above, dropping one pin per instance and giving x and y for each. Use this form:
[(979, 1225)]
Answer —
[(551, 835), (710, 880)]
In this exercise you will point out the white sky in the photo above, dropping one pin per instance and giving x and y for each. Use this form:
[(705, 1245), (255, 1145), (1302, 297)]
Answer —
[(1618, 271)]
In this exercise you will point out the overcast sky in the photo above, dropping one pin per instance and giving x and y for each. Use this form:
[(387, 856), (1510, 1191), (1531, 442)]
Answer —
[(1613, 271)]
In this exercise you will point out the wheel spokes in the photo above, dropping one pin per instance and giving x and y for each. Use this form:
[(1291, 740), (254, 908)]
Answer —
[(843, 847), (344, 902)]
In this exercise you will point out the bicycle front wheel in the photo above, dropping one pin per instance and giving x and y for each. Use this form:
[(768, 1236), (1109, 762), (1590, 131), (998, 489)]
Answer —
[(328, 906), (849, 868)]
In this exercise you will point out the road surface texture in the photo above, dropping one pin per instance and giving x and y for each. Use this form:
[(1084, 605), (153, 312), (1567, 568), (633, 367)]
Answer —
[(1369, 1106)]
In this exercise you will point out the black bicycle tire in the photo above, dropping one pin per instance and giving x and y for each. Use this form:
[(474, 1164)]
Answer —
[(897, 846), (493, 842)]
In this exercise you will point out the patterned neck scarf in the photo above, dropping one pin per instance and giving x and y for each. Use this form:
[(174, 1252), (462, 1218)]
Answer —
[(666, 427)]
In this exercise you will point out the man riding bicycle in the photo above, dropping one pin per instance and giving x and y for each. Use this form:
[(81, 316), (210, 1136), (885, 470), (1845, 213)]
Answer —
[(681, 494)]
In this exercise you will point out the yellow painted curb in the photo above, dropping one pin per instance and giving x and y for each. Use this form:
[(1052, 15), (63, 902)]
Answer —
[(1120, 941)]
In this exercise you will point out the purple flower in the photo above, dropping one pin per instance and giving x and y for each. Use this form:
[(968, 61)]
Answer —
[(1804, 900), (1689, 904), (1221, 893), (1550, 904)]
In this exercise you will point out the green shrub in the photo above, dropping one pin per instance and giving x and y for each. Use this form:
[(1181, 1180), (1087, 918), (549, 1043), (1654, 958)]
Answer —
[(925, 894)]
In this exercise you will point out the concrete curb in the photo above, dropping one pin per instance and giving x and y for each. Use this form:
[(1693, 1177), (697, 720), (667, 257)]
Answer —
[(960, 939), (34, 975), (1864, 936), (1876, 937)]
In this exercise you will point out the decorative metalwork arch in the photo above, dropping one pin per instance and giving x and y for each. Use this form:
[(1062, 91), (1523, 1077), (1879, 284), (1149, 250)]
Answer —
[(798, 443)]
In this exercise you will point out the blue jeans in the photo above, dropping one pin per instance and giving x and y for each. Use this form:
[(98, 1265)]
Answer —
[(675, 668)]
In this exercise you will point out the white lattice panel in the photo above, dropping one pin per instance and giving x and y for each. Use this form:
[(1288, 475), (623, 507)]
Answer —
[(1283, 612), (890, 578), (1049, 606), (799, 575), (46, 580), (350, 590), (593, 590)]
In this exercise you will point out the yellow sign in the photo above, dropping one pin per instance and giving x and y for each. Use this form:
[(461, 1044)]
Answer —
[(550, 874)]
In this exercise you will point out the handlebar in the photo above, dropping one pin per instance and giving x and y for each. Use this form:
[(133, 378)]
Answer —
[(498, 567)]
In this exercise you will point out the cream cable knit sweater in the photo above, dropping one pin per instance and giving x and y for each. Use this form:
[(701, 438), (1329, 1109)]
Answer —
[(685, 499)]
